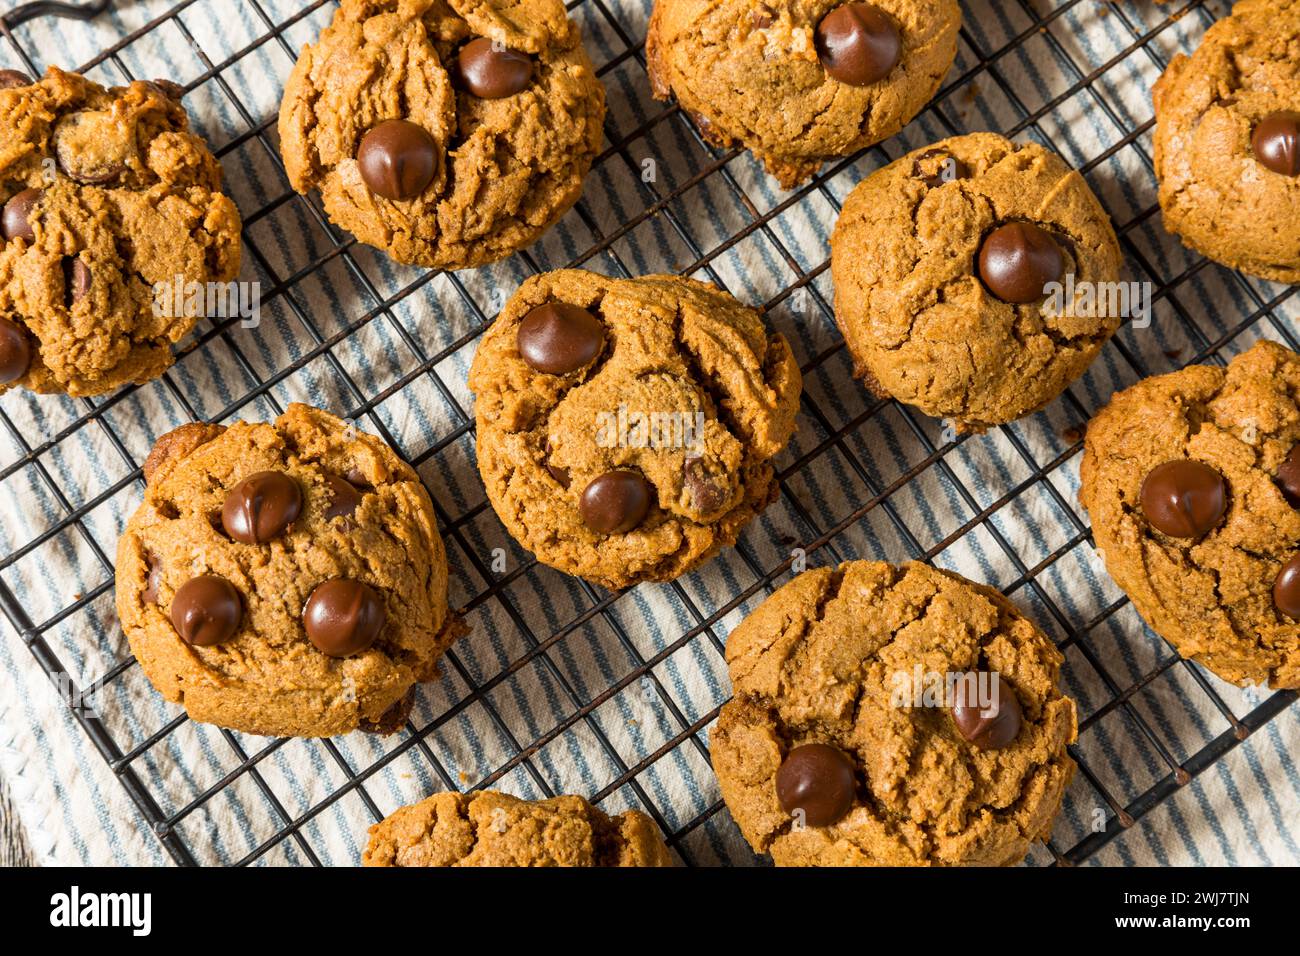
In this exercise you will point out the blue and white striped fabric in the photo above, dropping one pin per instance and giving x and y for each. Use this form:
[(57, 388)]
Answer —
[(1244, 809)]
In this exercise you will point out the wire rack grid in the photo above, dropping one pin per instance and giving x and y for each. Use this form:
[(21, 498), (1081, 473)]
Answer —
[(862, 477)]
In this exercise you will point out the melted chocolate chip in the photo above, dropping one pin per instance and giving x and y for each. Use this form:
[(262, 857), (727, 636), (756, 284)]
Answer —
[(397, 159), (357, 478), (391, 720), (343, 617), (817, 781), (1286, 589), (76, 280), (16, 220), (344, 498), (1183, 498), (207, 610), (858, 43), (15, 352), (491, 71), (996, 728), (947, 170), (1288, 476), (615, 502), (94, 147), (10, 79), (558, 338), (1276, 142), (561, 475), (153, 579), (1018, 260), (261, 507), (708, 492)]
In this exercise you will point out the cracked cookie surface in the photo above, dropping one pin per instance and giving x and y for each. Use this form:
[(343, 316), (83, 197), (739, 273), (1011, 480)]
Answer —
[(1210, 595), (917, 316), (651, 449), (488, 828), (107, 194), (501, 167), (750, 73), (358, 514), (816, 664), (1216, 194)]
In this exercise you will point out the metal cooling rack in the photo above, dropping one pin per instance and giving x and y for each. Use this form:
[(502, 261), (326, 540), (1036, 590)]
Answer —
[(129, 762)]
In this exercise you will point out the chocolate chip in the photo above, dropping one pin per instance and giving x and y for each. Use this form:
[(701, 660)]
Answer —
[(947, 170), (987, 731), (397, 159), (76, 280), (707, 492), (15, 221), (1183, 498), (615, 502), (558, 338), (858, 43), (152, 580), (1288, 476), (1018, 260), (9, 79), (15, 352), (357, 478), (762, 17), (93, 147), (1286, 589), (344, 498), (391, 720), (261, 507), (819, 781), (561, 475), (343, 617), (1276, 142), (491, 71), (214, 519), (207, 610)]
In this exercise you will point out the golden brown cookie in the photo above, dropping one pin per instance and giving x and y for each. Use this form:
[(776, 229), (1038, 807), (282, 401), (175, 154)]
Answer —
[(867, 727), (798, 82), (1227, 141), (449, 133), (107, 198), (626, 426), (976, 278), (1192, 482), (284, 578), (487, 828)]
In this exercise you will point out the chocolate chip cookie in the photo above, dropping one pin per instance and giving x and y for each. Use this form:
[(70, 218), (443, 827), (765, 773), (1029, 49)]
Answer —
[(1192, 482), (487, 828), (449, 133), (626, 427), (798, 82), (284, 578), (1227, 141), (892, 716), (107, 204), (976, 278)]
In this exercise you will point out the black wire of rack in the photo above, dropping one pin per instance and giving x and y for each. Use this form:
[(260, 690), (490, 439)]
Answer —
[(129, 763)]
